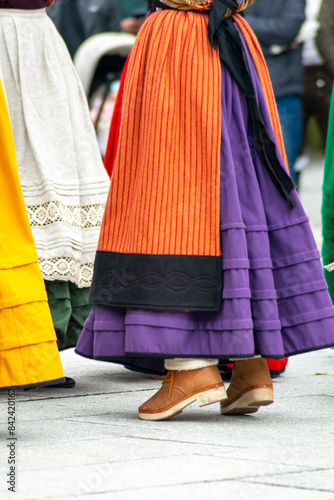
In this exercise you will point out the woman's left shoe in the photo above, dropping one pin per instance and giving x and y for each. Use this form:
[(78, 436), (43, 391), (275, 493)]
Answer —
[(250, 387), (180, 389)]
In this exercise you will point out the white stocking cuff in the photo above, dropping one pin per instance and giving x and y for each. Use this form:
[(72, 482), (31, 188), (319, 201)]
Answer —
[(179, 364)]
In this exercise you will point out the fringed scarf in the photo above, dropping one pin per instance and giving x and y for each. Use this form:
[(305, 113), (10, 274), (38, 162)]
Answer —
[(159, 246)]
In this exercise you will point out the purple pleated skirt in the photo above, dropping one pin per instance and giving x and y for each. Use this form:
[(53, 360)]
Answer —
[(275, 297)]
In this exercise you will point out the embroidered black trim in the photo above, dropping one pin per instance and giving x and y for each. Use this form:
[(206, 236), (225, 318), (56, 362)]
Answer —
[(168, 282)]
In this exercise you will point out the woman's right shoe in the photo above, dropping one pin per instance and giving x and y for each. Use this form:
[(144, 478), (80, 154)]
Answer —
[(250, 387)]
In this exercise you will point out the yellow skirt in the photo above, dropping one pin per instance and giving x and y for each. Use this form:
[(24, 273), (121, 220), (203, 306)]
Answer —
[(28, 349)]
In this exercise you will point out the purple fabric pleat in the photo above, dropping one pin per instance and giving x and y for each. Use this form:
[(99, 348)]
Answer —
[(275, 297)]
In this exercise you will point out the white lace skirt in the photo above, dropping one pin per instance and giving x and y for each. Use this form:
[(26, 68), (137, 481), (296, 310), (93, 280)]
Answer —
[(62, 176)]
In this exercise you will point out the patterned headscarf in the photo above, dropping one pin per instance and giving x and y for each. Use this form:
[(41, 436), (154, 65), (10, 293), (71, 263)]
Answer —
[(204, 5)]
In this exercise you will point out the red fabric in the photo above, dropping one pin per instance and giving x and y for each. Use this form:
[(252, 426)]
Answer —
[(273, 364), (277, 364), (115, 125)]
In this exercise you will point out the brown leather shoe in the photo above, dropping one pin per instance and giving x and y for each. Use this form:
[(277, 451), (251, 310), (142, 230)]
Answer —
[(180, 389), (250, 387)]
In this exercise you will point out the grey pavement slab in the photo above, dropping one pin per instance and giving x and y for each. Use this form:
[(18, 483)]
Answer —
[(217, 491), (141, 473), (72, 445), (88, 442), (320, 480)]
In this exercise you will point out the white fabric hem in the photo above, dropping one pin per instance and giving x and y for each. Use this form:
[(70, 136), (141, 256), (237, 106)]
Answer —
[(66, 269)]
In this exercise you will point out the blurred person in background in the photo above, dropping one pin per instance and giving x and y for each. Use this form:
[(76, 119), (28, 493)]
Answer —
[(325, 37), (101, 112), (318, 80), (77, 20), (276, 25), (128, 7), (317, 87), (133, 15), (325, 42), (63, 180)]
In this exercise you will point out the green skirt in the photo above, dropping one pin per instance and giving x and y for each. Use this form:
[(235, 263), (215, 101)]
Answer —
[(327, 209)]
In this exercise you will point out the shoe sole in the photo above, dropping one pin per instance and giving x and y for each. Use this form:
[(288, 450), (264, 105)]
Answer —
[(248, 401), (203, 398)]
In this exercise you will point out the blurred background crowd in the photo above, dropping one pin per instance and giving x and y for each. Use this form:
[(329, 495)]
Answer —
[(99, 59), (296, 37)]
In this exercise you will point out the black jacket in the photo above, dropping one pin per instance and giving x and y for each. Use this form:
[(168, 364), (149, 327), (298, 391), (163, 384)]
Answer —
[(277, 22), (77, 20)]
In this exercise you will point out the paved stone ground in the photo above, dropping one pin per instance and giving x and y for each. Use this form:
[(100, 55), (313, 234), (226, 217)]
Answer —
[(88, 443)]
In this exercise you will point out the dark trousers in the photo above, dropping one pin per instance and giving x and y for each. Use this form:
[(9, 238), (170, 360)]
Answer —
[(316, 100), (69, 308), (290, 113)]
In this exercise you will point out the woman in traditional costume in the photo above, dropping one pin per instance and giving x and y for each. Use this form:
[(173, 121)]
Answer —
[(63, 180), (205, 252), (29, 355)]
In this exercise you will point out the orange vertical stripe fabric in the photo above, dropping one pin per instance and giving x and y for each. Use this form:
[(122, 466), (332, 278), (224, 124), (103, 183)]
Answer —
[(164, 195), (262, 71)]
